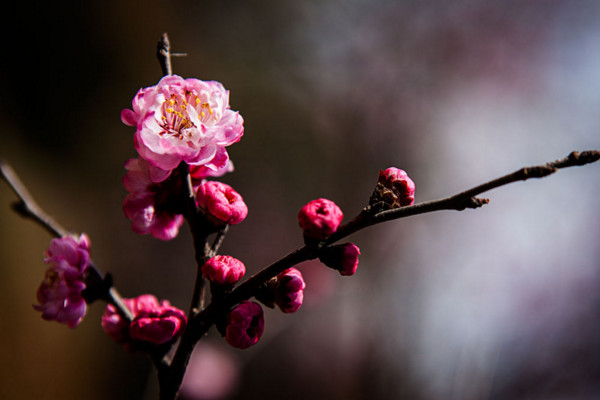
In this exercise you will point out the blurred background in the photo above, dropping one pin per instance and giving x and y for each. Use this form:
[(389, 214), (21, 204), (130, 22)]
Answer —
[(496, 303)]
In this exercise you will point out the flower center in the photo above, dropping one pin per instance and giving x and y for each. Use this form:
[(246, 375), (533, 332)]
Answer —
[(176, 118)]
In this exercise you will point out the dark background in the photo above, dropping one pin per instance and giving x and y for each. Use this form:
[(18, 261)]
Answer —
[(497, 303)]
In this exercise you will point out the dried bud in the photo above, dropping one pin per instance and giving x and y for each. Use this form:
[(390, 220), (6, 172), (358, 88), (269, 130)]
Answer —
[(342, 257), (224, 270), (320, 218), (220, 201), (394, 189), (246, 325)]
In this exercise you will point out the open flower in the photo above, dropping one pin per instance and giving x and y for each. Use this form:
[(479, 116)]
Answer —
[(222, 202), (150, 206), (185, 120), (246, 325), (320, 218), (153, 322), (59, 295), (219, 166)]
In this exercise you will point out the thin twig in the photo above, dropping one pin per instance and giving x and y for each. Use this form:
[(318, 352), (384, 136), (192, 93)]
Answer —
[(214, 249), (466, 199), (27, 207), (163, 53), (199, 324)]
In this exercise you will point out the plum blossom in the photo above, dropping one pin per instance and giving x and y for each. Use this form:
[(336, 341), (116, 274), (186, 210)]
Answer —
[(223, 270), (219, 166), (222, 202), (394, 189), (246, 325), (342, 257), (151, 207), (59, 295), (289, 292), (286, 290), (153, 322), (185, 120), (320, 218)]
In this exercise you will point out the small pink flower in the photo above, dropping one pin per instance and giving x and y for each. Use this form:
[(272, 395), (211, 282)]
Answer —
[(182, 120), (149, 205), (153, 322), (320, 218), (59, 295), (223, 270), (246, 325), (342, 257), (290, 290), (400, 184), (222, 202)]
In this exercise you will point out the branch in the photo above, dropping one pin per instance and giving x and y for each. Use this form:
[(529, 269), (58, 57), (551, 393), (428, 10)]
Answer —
[(199, 324), (27, 207), (466, 199), (163, 53)]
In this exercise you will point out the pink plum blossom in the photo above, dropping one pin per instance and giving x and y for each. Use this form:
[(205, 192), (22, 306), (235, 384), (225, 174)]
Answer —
[(59, 295), (341, 257), (246, 325), (219, 200), (148, 204), (185, 120), (153, 322), (320, 218), (289, 292), (219, 166), (399, 183), (223, 270)]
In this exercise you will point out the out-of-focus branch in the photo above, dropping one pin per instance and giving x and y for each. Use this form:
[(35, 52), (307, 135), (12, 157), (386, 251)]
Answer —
[(27, 207)]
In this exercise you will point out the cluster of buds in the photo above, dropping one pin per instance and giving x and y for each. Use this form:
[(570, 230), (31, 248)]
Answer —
[(319, 219), (183, 127)]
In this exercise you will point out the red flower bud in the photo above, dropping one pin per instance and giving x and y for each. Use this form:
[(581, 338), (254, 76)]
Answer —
[(224, 270), (342, 257), (246, 325), (320, 218)]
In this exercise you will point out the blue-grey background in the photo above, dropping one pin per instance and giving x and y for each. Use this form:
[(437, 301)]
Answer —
[(497, 303)]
